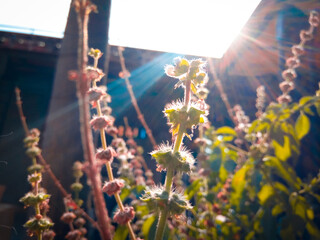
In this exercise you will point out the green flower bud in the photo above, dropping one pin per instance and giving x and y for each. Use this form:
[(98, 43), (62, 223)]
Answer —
[(76, 187), (30, 140), (35, 168), (38, 225), (30, 199), (32, 152), (35, 177)]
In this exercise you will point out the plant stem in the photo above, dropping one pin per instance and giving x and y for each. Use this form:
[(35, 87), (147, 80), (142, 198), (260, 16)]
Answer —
[(134, 101), (86, 134), (161, 224), (46, 166)]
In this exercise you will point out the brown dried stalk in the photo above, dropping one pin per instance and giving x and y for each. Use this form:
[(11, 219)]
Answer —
[(224, 98), (83, 8), (46, 166), (134, 100)]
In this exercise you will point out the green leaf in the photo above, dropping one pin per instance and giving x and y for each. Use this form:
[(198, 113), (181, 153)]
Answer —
[(310, 214), (277, 209), (265, 193), (125, 192), (250, 236), (121, 233), (313, 229), (226, 130), (302, 126), (287, 173), (223, 174), (282, 152), (238, 185), (147, 225), (193, 188), (304, 100)]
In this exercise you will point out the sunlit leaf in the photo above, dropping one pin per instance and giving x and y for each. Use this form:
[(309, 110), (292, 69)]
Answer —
[(147, 225), (284, 172), (226, 130), (282, 152), (304, 100), (265, 193), (121, 233), (277, 209), (302, 126), (238, 184), (310, 213), (313, 229), (193, 188)]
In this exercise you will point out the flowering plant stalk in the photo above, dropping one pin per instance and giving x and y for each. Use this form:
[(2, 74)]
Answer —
[(82, 78), (182, 117), (101, 122)]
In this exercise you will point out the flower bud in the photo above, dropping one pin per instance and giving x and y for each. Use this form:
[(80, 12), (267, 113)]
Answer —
[(95, 53), (33, 151)]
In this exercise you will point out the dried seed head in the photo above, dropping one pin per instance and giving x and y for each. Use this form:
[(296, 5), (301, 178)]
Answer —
[(94, 74), (95, 94), (106, 154), (68, 217), (112, 131), (74, 235), (101, 122), (79, 222), (113, 186), (314, 19), (125, 216), (48, 235), (293, 62), (305, 35), (289, 74), (297, 50), (284, 99), (286, 86)]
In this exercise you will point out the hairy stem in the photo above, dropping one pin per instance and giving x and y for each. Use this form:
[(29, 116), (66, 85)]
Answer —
[(170, 172)]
